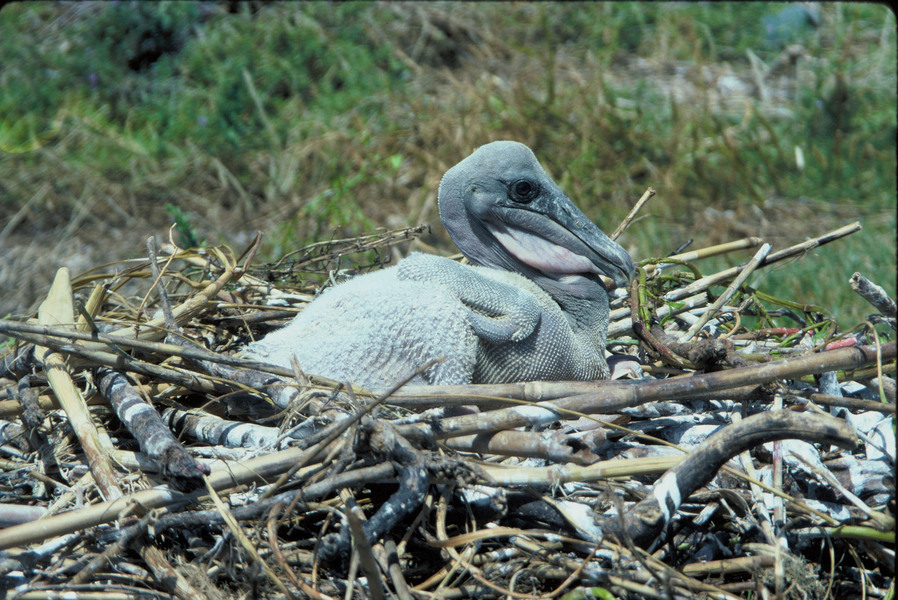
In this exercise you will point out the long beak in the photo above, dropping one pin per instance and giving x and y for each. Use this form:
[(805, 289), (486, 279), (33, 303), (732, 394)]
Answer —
[(559, 239)]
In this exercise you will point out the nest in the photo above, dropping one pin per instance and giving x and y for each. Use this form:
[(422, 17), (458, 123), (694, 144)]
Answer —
[(749, 450)]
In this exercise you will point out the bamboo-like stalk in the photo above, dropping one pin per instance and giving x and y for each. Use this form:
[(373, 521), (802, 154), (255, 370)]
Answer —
[(718, 278), (615, 396), (565, 473), (102, 342), (57, 309), (709, 251), (551, 445)]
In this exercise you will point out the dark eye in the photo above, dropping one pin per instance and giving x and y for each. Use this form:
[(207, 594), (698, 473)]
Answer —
[(523, 190)]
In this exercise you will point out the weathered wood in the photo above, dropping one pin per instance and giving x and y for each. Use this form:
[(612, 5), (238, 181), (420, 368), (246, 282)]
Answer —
[(178, 466)]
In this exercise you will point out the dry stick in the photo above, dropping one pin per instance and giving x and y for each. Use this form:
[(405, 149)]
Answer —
[(742, 244), (642, 327), (157, 280), (643, 522), (728, 293), (629, 218), (615, 396), (564, 473), (103, 342), (758, 505), (704, 283), (142, 420), (496, 395), (874, 294), (274, 544), (178, 467), (728, 566), (244, 541), (853, 403), (193, 381), (333, 249), (361, 545), (340, 427), (413, 485), (91, 308), (621, 323), (124, 540), (258, 469), (154, 328), (555, 446), (216, 431), (246, 278), (57, 309), (390, 555)]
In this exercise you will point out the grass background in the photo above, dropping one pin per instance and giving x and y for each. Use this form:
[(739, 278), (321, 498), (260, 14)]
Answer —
[(314, 120)]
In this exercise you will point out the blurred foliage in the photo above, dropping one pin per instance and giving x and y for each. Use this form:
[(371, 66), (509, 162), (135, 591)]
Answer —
[(310, 120), (195, 72)]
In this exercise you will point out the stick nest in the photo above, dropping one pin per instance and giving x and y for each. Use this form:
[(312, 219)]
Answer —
[(747, 450)]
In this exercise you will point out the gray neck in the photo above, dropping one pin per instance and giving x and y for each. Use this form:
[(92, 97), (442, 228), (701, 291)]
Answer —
[(586, 287), (586, 306)]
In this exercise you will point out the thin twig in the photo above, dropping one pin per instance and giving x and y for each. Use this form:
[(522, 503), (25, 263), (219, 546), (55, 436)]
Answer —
[(632, 214), (743, 276)]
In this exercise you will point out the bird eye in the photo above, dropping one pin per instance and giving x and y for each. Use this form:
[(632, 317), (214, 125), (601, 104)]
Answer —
[(523, 190)]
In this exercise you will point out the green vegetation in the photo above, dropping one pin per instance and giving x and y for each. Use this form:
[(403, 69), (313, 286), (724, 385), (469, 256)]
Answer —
[(315, 120)]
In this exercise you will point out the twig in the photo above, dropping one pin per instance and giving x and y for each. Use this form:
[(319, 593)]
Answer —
[(854, 403), (157, 281), (361, 546), (632, 214), (643, 522), (340, 427), (743, 276), (238, 473), (704, 283), (640, 313), (615, 396), (874, 294), (105, 341), (563, 473), (549, 445), (155, 328), (244, 541), (758, 505), (743, 244), (122, 542), (621, 325), (217, 431), (143, 422)]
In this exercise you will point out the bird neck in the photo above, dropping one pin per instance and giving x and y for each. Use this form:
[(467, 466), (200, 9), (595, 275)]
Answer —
[(584, 300)]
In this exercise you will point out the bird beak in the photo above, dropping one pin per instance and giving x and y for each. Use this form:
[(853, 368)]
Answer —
[(578, 234)]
